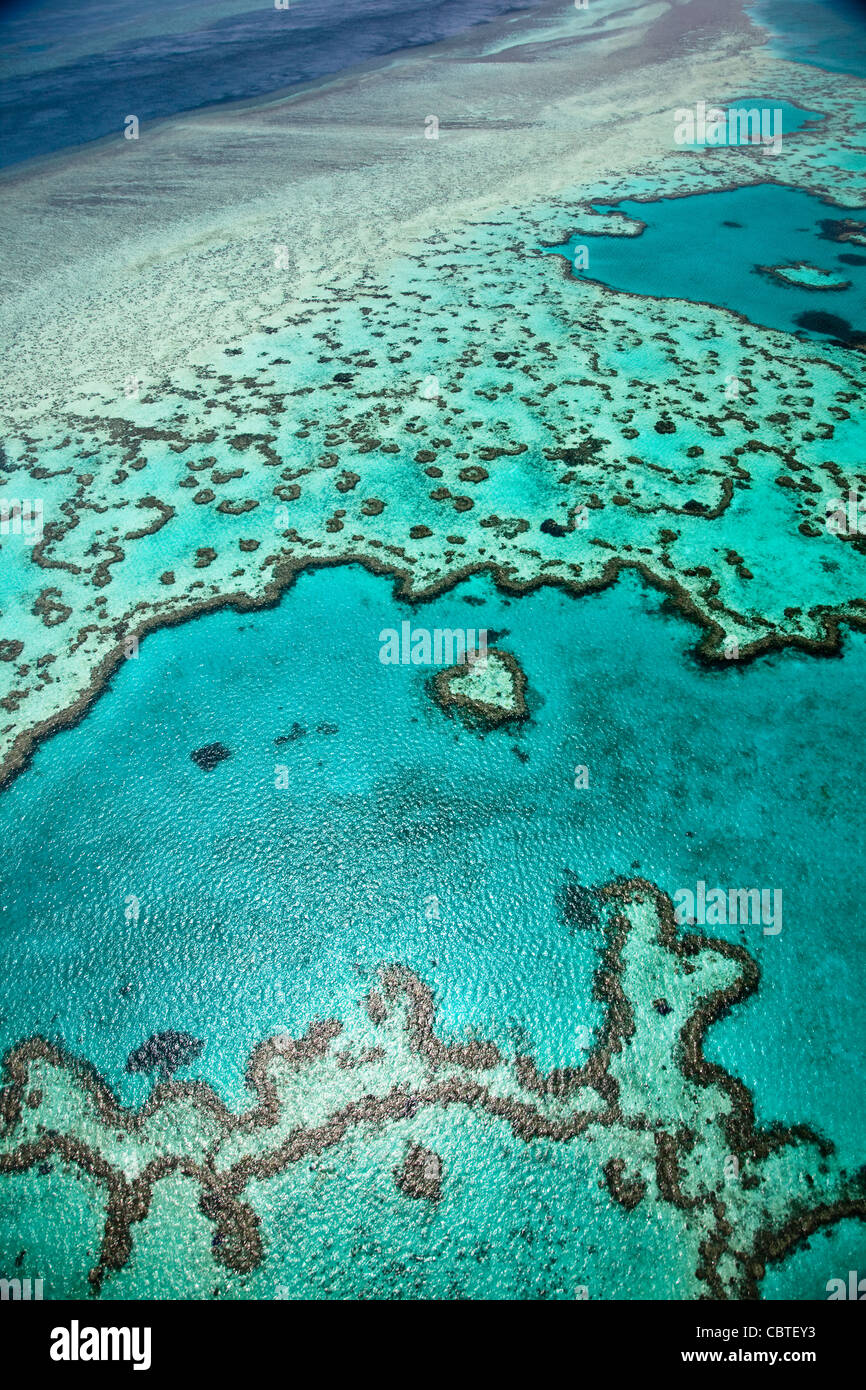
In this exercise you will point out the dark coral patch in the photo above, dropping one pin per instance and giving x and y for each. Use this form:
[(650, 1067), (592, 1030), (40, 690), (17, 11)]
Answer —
[(211, 754), (165, 1052), (833, 325), (421, 1174)]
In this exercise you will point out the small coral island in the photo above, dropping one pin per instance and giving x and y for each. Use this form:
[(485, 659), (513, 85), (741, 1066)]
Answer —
[(804, 276), (487, 692)]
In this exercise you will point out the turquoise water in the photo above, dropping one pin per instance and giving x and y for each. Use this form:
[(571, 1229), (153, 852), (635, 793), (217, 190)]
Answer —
[(140, 893), (830, 1254), (706, 247), (792, 118), (262, 907)]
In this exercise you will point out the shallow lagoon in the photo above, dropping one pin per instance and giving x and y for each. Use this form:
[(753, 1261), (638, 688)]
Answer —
[(260, 908), (739, 230), (779, 117)]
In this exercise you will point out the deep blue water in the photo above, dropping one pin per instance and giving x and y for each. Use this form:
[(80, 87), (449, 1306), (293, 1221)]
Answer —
[(67, 101), (706, 247), (261, 907)]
